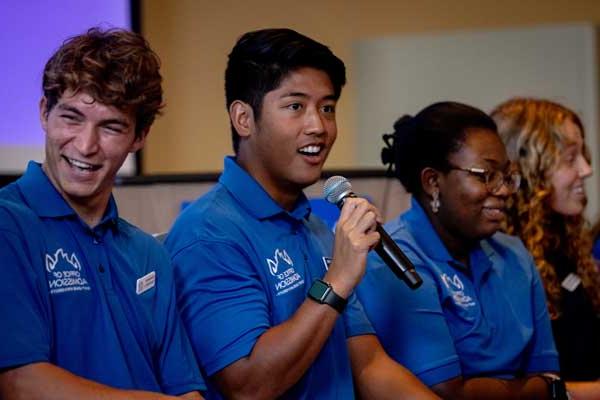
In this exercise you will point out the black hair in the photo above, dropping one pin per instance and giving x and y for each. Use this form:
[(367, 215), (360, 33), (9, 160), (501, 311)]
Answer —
[(261, 59), (428, 138)]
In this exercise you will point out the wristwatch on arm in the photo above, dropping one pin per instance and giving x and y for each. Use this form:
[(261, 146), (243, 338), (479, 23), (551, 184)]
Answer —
[(323, 293), (557, 390)]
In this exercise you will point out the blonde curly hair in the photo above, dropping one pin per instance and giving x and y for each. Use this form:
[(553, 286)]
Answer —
[(532, 131)]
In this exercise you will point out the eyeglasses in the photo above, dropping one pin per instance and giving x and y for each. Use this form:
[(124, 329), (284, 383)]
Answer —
[(495, 179)]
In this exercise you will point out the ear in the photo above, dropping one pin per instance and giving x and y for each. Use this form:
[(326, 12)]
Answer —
[(43, 113), (430, 178), (242, 118), (139, 141)]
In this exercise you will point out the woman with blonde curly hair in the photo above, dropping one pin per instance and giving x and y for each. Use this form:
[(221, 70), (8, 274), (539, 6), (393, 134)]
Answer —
[(545, 139)]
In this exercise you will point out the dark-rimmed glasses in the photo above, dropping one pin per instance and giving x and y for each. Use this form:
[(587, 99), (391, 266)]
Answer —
[(494, 179)]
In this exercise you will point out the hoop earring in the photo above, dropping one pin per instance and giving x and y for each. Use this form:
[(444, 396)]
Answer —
[(435, 202)]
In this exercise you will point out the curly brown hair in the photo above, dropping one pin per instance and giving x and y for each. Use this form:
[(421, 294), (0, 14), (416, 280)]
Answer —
[(532, 132), (115, 67)]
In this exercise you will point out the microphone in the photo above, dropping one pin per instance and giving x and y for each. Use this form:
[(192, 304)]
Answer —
[(336, 190)]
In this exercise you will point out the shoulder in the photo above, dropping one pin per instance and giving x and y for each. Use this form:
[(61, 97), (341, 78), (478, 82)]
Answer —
[(140, 244), (401, 232), (511, 251), (11, 192), (213, 217), (319, 228), (507, 245), (16, 216)]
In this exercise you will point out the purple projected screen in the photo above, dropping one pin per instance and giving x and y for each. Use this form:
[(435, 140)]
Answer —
[(31, 31)]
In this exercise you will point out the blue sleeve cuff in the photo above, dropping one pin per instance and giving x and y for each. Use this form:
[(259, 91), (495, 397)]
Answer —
[(14, 362), (231, 355), (446, 370), (544, 363), (183, 388)]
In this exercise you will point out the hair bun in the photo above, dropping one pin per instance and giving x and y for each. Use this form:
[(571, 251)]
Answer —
[(403, 122)]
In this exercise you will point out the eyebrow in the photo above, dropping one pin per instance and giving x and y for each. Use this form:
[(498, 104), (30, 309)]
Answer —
[(74, 110), (304, 95), (503, 165), (66, 107)]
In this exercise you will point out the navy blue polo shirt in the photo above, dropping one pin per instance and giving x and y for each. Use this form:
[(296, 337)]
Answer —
[(98, 302), (242, 265), (489, 320)]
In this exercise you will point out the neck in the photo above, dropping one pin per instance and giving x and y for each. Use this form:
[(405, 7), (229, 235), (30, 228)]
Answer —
[(284, 195), (91, 214), (459, 248), (89, 209)]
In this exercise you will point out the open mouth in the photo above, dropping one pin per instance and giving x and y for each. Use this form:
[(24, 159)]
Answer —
[(494, 212), (83, 166), (311, 150)]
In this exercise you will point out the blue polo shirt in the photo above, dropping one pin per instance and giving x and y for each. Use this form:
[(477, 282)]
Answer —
[(99, 302), (489, 320), (243, 265)]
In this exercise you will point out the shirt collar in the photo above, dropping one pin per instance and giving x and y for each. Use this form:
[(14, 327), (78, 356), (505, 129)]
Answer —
[(43, 198), (425, 235), (427, 238), (253, 197)]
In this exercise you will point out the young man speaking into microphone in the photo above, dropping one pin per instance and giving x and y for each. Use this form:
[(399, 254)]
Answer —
[(268, 315)]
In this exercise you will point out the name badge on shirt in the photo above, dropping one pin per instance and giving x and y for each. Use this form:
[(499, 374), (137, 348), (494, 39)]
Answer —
[(571, 282), (145, 283)]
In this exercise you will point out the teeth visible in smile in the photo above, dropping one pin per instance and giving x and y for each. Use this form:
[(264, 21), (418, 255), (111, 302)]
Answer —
[(310, 150), (81, 164)]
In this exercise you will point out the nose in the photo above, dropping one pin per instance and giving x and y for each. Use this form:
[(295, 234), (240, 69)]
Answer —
[(86, 141), (584, 168), (504, 190), (314, 122)]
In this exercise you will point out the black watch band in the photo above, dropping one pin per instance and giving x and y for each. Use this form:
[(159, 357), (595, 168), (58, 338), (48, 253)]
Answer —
[(323, 293), (557, 390)]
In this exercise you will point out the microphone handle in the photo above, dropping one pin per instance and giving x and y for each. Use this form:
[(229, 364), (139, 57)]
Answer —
[(391, 254), (396, 260)]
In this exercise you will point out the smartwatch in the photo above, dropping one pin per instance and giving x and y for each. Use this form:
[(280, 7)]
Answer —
[(557, 390), (323, 293)]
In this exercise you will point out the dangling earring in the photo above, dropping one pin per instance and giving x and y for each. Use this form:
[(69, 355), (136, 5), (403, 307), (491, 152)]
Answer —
[(435, 202)]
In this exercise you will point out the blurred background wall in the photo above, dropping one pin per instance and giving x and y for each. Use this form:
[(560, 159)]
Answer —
[(193, 38)]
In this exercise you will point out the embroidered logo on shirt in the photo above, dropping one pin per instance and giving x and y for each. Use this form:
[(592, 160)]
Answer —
[(274, 263), (145, 283), (64, 273), (457, 288), (288, 278)]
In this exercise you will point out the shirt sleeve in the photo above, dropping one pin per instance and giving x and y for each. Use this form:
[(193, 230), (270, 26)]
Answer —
[(222, 302), (178, 368), (410, 323), (24, 305), (543, 356), (355, 319)]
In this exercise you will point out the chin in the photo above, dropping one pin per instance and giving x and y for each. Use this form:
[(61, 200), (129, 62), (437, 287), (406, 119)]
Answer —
[(488, 231)]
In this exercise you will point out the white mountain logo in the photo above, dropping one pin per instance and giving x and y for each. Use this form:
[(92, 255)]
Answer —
[(59, 255), (279, 255)]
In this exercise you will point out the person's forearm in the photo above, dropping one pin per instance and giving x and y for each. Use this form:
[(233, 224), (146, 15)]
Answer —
[(280, 356), (191, 396), (44, 381), (377, 376), (533, 388), (584, 390)]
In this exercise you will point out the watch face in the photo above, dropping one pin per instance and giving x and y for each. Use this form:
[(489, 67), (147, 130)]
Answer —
[(318, 290)]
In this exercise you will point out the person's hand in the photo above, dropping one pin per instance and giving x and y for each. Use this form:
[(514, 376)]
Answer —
[(355, 235)]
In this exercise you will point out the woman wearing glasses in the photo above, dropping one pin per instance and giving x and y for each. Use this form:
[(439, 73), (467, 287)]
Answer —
[(545, 139), (478, 327)]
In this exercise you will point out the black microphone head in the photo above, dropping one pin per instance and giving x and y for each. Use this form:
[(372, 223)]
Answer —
[(336, 189)]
